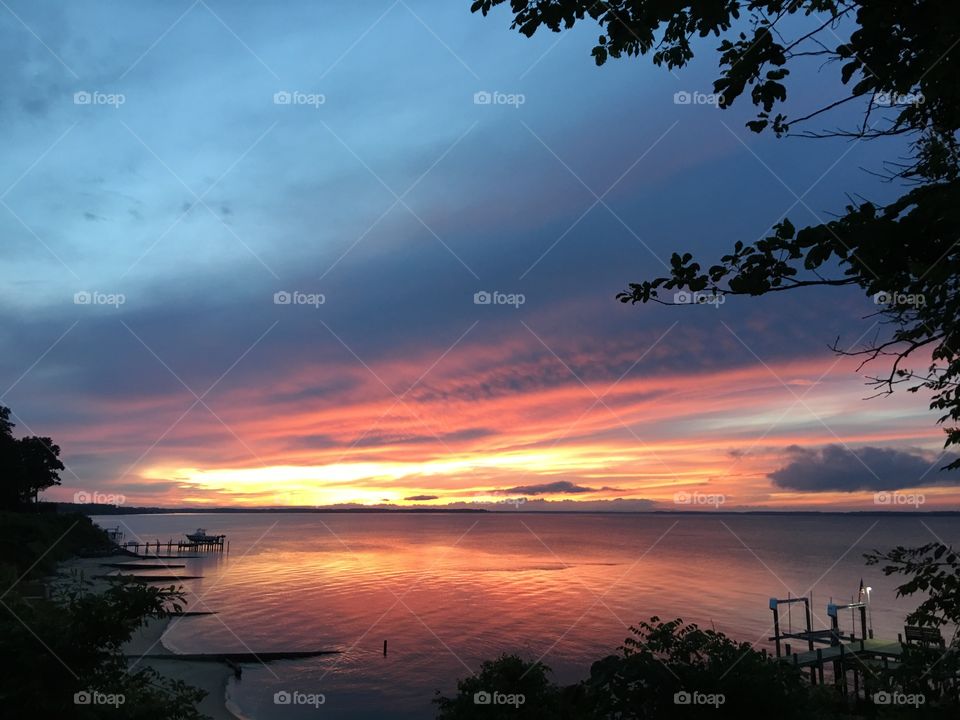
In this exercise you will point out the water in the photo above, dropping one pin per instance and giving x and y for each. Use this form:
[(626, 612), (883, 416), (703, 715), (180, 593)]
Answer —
[(448, 591)]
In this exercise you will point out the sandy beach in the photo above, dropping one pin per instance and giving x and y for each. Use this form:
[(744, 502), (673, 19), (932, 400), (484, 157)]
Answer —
[(209, 676)]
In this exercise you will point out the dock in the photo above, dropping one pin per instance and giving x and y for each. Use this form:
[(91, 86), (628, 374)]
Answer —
[(216, 543), (240, 657), (860, 649), (147, 578), (140, 566), (853, 661)]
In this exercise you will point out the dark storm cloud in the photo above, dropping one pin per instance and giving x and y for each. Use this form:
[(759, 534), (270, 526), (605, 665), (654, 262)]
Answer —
[(421, 498), (836, 468)]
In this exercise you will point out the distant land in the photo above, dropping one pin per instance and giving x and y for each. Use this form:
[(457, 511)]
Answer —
[(103, 509)]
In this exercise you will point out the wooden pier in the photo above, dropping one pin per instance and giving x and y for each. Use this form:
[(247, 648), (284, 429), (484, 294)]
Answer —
[(241, 657), (216, 543)]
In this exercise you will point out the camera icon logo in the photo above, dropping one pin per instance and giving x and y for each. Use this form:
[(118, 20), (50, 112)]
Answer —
[(82, 698), (282, 697), (81, 497), (282, 298), (682, 698), (82, 298), (282, 98), (682, 97), (482, 298), (882, 698), (683, 297), (482, 698), (82, 98), (482, 98)]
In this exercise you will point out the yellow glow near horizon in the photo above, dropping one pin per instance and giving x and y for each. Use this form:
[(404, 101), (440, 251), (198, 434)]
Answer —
[(361, 482)]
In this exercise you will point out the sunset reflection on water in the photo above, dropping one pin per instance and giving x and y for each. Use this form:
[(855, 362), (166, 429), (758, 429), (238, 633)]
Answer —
[(448, 591)]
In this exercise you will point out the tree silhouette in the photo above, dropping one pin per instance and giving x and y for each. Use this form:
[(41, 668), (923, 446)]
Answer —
[(899, 60), (27, 466)]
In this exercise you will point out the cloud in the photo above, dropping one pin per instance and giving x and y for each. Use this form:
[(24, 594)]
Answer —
[(836, 468), (561, 486), (421, 498)]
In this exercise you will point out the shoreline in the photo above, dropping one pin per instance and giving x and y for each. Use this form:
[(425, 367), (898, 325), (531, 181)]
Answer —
[(211, 677)]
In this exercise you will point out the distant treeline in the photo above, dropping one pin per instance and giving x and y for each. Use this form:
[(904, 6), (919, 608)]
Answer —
[(104, 509)]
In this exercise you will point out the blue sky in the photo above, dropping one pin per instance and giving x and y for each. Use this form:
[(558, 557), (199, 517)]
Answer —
[(184, 187)]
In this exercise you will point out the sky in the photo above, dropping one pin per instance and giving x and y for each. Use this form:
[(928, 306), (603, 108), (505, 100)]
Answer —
[(326, 253)]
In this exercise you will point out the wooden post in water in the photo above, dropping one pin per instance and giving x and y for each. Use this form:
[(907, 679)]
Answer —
[(776, 622), (384, 648)]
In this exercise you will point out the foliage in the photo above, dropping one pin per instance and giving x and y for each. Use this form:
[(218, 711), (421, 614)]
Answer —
[(36, 542), (660, 665), (934, 570), (665, 662), (508, 675), (896, 60), (72, 643), (27, 465)]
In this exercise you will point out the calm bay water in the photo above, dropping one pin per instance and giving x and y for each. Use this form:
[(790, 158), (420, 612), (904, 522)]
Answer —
[(450, 590)]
